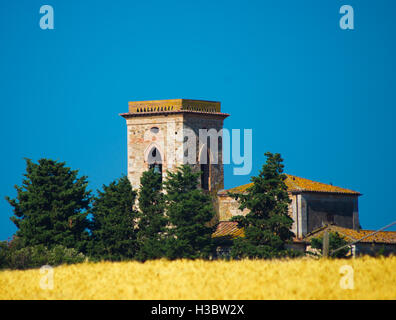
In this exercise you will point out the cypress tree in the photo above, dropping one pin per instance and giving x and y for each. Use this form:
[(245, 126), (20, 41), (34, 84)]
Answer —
[(189, 210), (267, 225), (51, 206), (114, 222), (152, 221)]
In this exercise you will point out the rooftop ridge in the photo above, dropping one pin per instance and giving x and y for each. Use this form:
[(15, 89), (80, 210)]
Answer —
[(298, 184)]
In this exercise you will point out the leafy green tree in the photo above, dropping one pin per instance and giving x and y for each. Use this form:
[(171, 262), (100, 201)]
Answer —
[(113, 225), (190, 210), (267, 225), (51, 206), (3, 254), (335, 241), (152, 221)]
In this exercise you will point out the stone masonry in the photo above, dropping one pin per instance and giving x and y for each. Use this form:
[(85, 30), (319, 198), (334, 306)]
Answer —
[(167, 125)]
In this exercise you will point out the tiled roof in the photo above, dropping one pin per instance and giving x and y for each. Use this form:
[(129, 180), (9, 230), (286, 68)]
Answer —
[(297, 184), (228, 229), (388, 237)]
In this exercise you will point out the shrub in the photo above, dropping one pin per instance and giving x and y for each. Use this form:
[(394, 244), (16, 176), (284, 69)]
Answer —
[(335, 241), (37, 256)]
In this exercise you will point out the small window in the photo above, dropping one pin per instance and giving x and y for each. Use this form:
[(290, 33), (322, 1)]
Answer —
[(154, 130)]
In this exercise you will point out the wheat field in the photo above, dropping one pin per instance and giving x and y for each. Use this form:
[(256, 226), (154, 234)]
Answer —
[(360, 278)]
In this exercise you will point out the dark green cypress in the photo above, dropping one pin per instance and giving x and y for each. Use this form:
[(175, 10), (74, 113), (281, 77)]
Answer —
[(51, 206), (190, 210), (114, 231), (151, 219), (267, 225)]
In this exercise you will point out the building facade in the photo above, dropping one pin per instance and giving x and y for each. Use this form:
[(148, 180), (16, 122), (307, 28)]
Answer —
[(163, 134), (166, 133), (313, 205)]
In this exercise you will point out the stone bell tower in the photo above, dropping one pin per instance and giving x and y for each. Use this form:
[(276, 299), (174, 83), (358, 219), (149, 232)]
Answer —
[(163, 134)]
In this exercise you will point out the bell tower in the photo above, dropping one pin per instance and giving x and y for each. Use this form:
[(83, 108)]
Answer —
[(163, 134)]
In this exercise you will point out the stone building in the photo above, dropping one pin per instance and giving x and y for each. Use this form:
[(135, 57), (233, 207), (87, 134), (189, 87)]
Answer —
[(163, 134), (313, 205)]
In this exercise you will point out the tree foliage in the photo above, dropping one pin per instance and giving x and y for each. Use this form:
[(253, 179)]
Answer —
[(335, 241), (267, 225), (151, 218), (51, 206), (189, 210), (113, 225)]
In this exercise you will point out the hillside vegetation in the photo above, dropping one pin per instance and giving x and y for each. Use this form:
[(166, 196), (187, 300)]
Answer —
[(374, 278)]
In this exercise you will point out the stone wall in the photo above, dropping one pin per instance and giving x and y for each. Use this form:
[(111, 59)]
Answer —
[(322, 208), (169, 140), (309, 211), (141, 140), (229, 207), (374, 249), (194, 123)]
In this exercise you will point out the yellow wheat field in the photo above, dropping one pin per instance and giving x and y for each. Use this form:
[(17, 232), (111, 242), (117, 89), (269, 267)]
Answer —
[(372, 278)]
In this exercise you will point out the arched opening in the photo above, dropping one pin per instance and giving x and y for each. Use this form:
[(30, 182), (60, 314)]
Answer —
[(205, 167), (154, 160)]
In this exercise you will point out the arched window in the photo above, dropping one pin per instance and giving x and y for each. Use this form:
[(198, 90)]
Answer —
[(155, 161)]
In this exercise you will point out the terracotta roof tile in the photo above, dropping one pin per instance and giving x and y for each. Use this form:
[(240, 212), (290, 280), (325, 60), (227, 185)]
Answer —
[(228, 229), (353, 235), (297, 184)]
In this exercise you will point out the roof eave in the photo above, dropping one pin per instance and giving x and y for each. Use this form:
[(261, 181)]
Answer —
[(139, 114), (326, 192)]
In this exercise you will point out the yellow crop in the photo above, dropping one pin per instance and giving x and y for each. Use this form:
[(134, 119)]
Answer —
[(372, 278)]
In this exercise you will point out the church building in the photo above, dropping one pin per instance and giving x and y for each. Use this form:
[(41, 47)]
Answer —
[(163, 134)]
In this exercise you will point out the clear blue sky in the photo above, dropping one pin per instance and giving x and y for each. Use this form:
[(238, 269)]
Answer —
[(322, 97)]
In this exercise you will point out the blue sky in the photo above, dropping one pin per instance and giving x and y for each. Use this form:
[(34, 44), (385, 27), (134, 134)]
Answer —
[(322, 97)]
